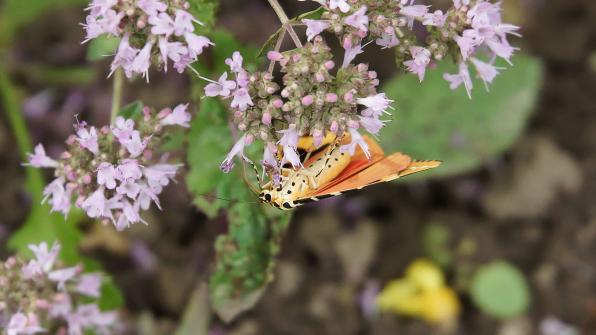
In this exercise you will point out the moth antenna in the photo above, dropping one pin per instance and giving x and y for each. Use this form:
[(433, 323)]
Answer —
[(245, 178)]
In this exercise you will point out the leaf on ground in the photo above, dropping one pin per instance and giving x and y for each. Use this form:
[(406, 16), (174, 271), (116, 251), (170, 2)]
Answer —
[(433, 122)]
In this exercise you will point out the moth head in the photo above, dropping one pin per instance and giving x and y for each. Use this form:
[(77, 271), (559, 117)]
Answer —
[(266, 196)]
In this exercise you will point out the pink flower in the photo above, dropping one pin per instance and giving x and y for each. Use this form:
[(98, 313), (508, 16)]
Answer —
[(20, 324), (377, 103), (63, 275), (462, 77), (162, 24), (123, 129), (106, 175), (196, 44), (146, 196), (184, 61), (289, 142), (124, 57), (44, 259), (96, 205), (314, 27), (436, 19), (501, 48), (357, 140), (111, 22), (159, 176), (350, 54), (171, 50), (87, 138), (372, 124), (487, 72), (151, 7), (241, 99), (223, 87), (178, 117), (142, 61), (467, 45), (341, 4), (183, 22), (414, 12), (237, 150), (39, 159), (57, 196), (135, 146), (388, 40), (93, 28), (89, 284), (130, 215), (130, 188), (99, 7), (129, 169), (358, 19), (90, 317), (235, 63), (421, 59)]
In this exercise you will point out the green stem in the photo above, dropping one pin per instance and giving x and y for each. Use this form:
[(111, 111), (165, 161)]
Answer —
[(285, 21), (118, 84), (11, 104)]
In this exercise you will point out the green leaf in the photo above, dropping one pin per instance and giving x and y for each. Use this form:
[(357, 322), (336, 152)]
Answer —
[(132, 111), (204, 11), (500, 290), (101, 47), (433, 122), (313, 15)]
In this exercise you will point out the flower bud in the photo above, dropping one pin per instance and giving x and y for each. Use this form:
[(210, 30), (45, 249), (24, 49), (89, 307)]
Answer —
[(266, 119), (277, 103), (274, 56), (353, 124), (249, 139), (307, 100), (331, 97), (329, 65), (349, 97), (334, 127)]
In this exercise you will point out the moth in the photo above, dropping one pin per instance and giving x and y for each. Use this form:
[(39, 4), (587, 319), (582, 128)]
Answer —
[(331, 172)]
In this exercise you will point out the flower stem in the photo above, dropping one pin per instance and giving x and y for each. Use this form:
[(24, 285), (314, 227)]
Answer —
[(285, 22), (118, 83)]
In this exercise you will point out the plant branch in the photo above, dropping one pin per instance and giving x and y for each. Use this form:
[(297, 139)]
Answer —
[(285, 22), (118, 84), (278, 44)]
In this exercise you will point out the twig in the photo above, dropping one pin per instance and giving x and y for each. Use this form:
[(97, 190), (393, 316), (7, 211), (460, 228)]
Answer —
[(118, 84), (285, 22)]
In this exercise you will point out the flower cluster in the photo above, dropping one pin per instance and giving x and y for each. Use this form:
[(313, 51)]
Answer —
[(37, 296), (317, 98), (150, 31), (111, 171), (467, 29)]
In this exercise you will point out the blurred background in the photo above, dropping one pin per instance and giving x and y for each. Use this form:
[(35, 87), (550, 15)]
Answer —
[(509, 220)]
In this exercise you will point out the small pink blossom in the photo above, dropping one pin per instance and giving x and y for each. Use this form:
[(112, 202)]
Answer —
[(124, 57), (241, 99), (159, 175), (21, 324), (223, 87), (106, 175), (123, 129), (151, 7), (162, 24), (196, 44), (142, 61), (237, 150), (462, 77), (358, 19), (183, 22), (388, 40), (178, 117), (357, 140), (64, 275), (87, 138), (57, 196), (487, 72), (377, 103), (341, 4), (130, 188), (437, 19), (372, 124), (289, 142), (314, 27), (419, 62), (39, 159), (235, 63), (129, 169), (350, 54), (89, 284), (135, 145)]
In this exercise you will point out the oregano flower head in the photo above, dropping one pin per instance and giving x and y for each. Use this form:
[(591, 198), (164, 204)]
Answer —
[(42, 296), (111, 173), (150, 31)]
